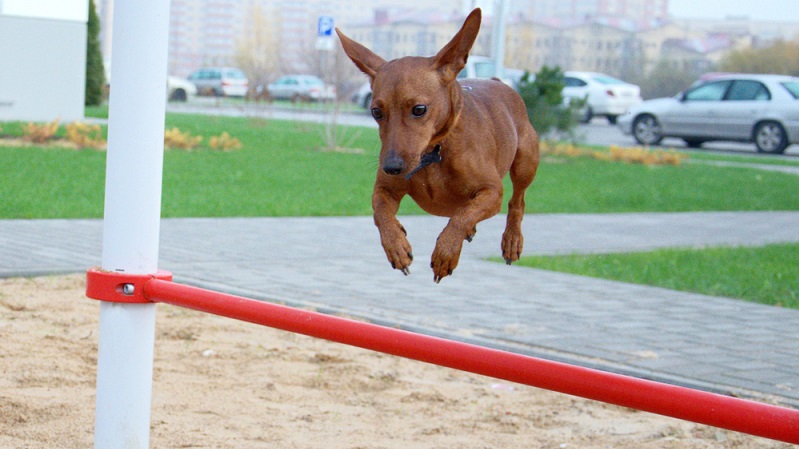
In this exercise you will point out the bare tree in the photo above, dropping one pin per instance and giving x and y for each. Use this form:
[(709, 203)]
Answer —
[(258, 53), (334, 68)]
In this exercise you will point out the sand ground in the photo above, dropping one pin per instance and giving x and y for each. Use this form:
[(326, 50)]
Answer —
[(219, 383)]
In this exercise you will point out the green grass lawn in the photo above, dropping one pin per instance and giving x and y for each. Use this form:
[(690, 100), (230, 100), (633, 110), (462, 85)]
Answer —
[(280, 171), (582, 185), (768, 275), (100, 111)]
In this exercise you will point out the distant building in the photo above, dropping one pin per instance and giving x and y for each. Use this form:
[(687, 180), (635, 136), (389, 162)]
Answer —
[(624, 47), (619, 47), (395, 32), (759, 32), (636, 10), (593, 45), (44, 60), (203, 33), (209, 32), (697, 55), (625, 38)]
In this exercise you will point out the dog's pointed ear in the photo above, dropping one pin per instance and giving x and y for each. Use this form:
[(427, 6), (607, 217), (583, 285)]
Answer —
[(452, 58), (364, 59)]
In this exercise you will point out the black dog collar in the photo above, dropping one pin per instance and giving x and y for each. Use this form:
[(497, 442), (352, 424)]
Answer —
[(432, 157)]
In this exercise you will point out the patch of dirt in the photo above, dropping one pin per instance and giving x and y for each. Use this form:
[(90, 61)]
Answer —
[(220, 383)]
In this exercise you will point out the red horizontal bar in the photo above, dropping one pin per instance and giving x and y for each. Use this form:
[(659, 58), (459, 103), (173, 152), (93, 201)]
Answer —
[(726, 412)]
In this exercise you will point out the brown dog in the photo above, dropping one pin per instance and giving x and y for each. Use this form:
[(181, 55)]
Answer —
[(447, 145)]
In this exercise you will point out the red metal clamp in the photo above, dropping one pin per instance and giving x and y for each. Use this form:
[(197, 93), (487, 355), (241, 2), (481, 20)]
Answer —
[(120, 287)]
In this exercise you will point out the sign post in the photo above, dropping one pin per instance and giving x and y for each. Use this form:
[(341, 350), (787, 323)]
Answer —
[(324, 33)]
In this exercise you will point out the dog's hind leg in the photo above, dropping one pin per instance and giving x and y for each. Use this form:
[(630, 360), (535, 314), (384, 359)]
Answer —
[(522, 173)]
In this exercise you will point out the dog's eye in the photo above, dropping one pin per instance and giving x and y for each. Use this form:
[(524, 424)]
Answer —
[(377, 113), (419, 110)]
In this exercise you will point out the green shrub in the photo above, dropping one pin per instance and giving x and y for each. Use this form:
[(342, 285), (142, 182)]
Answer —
[(543, 96)]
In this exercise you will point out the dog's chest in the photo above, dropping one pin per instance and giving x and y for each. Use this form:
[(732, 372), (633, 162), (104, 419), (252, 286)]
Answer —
[(438, 192)]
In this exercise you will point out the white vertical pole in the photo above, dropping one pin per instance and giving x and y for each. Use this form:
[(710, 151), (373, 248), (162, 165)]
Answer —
[(131, 227), (498, 37)]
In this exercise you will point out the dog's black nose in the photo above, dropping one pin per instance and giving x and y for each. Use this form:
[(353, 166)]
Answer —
[(393, 164), (393, 169)]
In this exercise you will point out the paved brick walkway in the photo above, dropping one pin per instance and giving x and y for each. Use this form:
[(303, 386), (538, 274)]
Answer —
[(336, 265)]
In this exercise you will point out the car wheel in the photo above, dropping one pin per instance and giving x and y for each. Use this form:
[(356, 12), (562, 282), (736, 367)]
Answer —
[(694, 143), (367, 101), (646, 130), (770, 138), (612, 119), (586, 115), (178, 95)]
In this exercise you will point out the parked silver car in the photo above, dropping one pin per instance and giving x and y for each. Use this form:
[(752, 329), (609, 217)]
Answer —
[(301, 88), (220, 81), (763, 109)]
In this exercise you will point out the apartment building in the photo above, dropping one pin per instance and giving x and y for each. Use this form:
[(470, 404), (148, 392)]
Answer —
[(394, 32), (619, 37), (637, 10), (211, 32), (594, 45)]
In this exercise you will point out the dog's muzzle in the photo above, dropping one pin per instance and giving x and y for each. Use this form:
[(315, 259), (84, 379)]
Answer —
[(393, 163)]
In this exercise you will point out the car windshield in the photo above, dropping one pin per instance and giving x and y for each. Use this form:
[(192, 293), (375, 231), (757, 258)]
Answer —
[(570, 81), (235, 74), (313, 81), (792, 87), (604, 79)]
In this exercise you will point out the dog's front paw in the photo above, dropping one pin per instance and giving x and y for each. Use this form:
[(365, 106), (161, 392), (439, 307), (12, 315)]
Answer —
[(512, 244), (399, 253), (445, 258)]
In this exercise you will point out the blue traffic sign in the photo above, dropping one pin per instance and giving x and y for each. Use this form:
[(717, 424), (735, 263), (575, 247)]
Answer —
[(325, 26)]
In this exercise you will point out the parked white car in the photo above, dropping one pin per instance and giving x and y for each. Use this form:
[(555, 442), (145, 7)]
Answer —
[(179, 89), (483, 67), (606, 96), (363, 96), (763, 109)]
